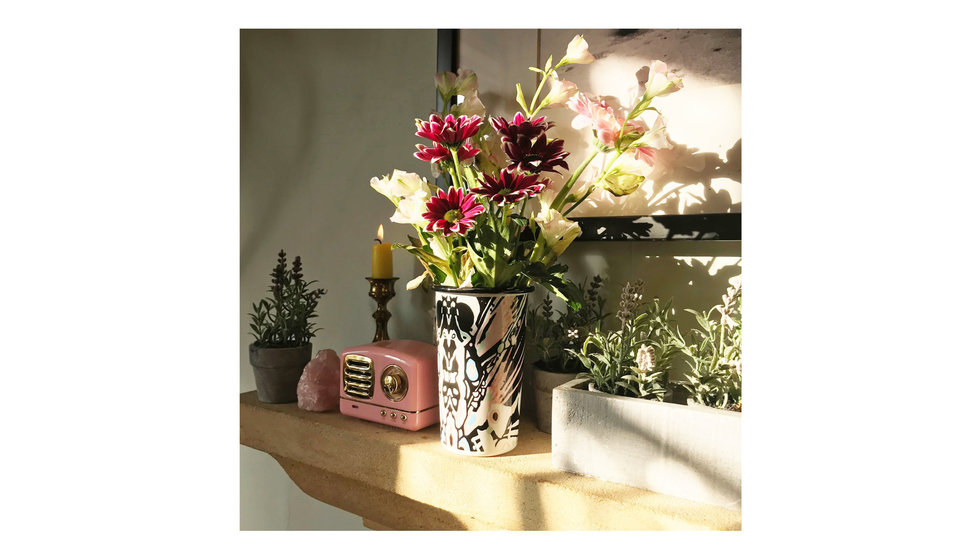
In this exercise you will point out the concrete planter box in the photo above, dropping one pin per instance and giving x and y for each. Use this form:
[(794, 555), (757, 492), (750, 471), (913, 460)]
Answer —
[(693, 452), (544, 383)]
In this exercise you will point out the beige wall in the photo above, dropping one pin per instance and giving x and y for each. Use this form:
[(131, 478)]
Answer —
[(322, 113)]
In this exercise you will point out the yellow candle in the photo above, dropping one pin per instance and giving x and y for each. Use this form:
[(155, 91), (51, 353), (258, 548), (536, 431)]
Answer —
[(381, 257)]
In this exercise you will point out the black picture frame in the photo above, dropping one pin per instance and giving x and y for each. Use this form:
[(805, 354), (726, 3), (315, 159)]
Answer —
[(658, 227)]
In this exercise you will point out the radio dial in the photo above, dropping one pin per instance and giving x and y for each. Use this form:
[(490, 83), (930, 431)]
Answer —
[(394, 383)]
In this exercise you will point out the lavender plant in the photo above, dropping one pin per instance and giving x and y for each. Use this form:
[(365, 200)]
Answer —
[(555, 333), (714, 353), (283, 320), (634, 360)]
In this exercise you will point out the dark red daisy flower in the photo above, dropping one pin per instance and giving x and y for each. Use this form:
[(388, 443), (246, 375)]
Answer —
[(520, 126), (438, 153), (510, 186), (526, 144), (538, 156), (452, 212), (451, 131)]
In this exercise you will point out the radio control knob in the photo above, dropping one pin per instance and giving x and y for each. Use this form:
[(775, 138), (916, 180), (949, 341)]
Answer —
[(392, 414), (382, 413), (404, 417), (394, 383)]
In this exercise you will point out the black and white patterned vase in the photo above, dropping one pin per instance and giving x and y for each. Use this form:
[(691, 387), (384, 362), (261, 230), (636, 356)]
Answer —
[(480, 340)]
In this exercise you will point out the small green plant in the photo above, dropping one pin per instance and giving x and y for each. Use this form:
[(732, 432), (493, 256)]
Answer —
[(635, 360), (283, 320), (555, 333), (714, 352)]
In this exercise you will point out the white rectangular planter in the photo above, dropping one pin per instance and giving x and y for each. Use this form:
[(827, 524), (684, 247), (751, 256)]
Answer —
[(692, 452)]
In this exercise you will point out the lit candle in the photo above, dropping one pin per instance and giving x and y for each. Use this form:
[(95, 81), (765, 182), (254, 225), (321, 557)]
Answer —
[(381, 256)]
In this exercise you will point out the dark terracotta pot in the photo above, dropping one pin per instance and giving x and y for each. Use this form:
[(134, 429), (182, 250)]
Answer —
[(277, 371)]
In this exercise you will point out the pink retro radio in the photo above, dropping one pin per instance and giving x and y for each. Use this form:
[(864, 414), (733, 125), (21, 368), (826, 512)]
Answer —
[(394, 382)]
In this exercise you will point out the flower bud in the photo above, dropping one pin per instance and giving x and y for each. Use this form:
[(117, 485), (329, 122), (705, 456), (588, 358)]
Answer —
[(578, 51)]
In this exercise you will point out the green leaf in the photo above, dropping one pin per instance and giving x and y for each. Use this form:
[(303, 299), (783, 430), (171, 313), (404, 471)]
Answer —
[(520, 99)]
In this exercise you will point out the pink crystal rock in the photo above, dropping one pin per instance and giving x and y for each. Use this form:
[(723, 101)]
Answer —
[(319, 386)]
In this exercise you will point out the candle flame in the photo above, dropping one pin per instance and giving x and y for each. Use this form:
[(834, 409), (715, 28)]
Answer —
[(381, 233)]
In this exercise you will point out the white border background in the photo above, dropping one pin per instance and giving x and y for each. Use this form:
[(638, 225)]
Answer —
[(120, 243)]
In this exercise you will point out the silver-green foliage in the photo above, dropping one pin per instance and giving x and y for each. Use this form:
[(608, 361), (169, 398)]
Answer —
[(283, 320), (634, 360), (713, 351), (553, 332)]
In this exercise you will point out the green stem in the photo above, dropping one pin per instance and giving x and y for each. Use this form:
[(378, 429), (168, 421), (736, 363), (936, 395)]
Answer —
[(447, 248), (453, 177), (721, 341), (580, 201), (605, 173), (544, 78), (459, 174), (560, 199)]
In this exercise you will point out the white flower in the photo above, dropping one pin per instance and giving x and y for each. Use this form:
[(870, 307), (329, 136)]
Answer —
[(644, 359), (466, 83), (558, 232), (656, 137), (449, 83), (400, 185), (561, 91), (471, 106), (578, 51), (662, 81), (445, 83), (409, 210)]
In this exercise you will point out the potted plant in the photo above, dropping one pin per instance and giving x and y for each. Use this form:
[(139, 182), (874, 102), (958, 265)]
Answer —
[(613, 422), (554, 335), (482, 242), (282, 330), (713, 350)]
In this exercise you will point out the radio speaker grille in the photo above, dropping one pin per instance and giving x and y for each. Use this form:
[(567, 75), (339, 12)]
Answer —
[(358, 376)]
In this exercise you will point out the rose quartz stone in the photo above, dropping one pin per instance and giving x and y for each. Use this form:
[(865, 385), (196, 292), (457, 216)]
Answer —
[(319, 386)]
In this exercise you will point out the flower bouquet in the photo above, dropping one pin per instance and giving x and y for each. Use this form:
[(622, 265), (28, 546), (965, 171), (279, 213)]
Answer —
[(500, 222)]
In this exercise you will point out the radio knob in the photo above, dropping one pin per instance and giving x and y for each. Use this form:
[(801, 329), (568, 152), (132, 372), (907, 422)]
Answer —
[(382, 414), (394, 383), (392, 414), (404, 417)]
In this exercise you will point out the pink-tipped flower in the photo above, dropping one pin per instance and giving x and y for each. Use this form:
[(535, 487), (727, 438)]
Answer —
[(606, 120), (646, 154), (526, 144), (438, 153), (451, 131), (510, 186), (452, 212)]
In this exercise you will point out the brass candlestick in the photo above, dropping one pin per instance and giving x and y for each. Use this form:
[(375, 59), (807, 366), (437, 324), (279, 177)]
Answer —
[(382, 290)]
